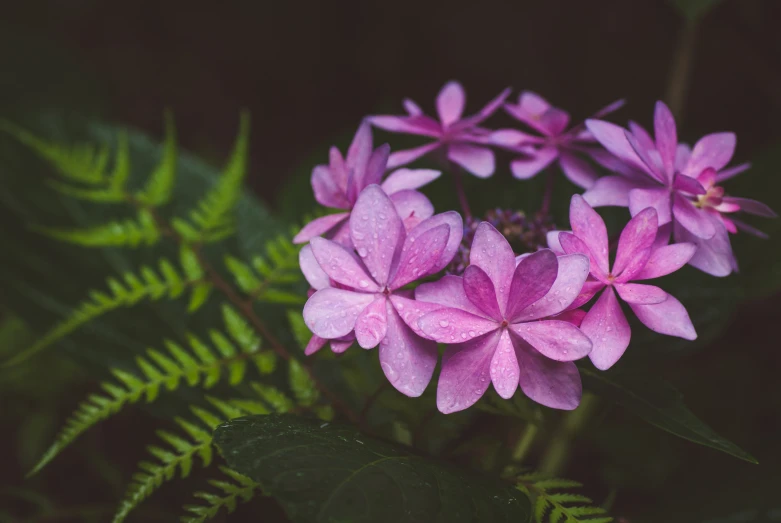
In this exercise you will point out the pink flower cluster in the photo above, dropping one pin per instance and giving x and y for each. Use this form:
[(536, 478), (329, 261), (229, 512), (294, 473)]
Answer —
[(513, 321)]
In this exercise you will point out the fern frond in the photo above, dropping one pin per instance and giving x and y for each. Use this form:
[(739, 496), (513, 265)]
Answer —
[(557, 507), (239, 489), (160, 184), (198, 366), (278, 267), (212, 218), (130, 233)]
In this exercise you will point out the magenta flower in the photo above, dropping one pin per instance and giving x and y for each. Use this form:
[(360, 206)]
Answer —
[(462, 138), (556, 142), (369, 301), (495, 318), (338, 185), (679, 183), (637, 258)]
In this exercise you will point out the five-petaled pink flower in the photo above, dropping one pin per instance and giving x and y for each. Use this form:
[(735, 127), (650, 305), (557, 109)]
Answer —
[(637, 258), (496, 318), (678, 182), (368, 300), (338, 185), (556, 142), (464, 141)]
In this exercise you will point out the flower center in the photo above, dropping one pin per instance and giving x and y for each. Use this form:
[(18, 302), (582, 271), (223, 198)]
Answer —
[(386, 291), (505, 323), (712, 198)]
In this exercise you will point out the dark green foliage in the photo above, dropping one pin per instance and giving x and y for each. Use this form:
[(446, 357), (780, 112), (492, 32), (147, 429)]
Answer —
[(559, 507), (236, 489)]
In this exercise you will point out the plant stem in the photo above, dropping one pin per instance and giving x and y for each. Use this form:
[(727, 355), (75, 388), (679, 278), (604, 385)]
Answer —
[(556, 456), (550, 181), (680, 72), (459, 183), (370, 401), (524, 443)]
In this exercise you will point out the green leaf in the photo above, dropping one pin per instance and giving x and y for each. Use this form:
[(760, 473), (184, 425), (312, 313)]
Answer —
[(659, 404), (125, 233), (159, 187), (694, 9), (303, 387), (323, 472)]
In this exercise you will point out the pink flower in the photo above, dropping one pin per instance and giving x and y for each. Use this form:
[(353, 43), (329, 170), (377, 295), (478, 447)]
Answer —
[(368, 301), (678, 182), (556, 143), (339, 183), (496, 319), (637, 258), (462, 138)]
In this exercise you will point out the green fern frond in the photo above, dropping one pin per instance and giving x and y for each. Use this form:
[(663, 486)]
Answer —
[(238, 489), (100, 195), (279, 267), (557, 507), (130, 233), (212, 217), (160, 184), (198, 366)]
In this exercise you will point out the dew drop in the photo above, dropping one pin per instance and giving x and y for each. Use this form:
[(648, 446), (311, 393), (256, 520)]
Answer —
[(443, 323), (363, 284), (362, 252)]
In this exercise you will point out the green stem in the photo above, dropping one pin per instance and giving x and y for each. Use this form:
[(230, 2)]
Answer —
[(680, 72), (524, 443), (555, 459)]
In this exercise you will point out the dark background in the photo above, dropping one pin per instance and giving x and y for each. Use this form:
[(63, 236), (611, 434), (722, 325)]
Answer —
[(309, 71)]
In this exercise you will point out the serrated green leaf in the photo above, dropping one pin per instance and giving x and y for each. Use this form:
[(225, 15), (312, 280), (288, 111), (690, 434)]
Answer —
[(160, 184)]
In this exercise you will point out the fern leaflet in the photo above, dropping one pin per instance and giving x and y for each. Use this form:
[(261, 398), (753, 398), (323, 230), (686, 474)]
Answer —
[(160, 184), (559, 507), (280, 266), (240, 489), (129, 233)]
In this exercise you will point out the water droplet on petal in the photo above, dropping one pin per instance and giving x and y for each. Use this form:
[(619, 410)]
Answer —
[(443, 323)]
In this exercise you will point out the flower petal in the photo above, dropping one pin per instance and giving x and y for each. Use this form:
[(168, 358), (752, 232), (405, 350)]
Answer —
[(659, 199), (666, 136), (419, 255), (399, 158), (448, 291), (573, 269), (360, 151), (554, 339), (480, 291), (408, 179), (504, 367), (454, 325), (634, 244), (312, 271), (668, 317), (372, 324), (571, 244), (686, 184), (589, 227), (315, 344), (491, 252), (339, 346), (537, 113), (574, 316), (652, 162), (726, 174), (376, 231), (552, 237), (412, 207), (613, 138), (666, 260), (375, 167), (342, 266), (608, 329), (465, 373), (326, 190), (412, 310), (712, 150), (609, 190), (577, 170), (331, 313), (691, 218), (589, 290), (550, 383), (682, 154), (512, 138), (752, 206), (407, 360), (532, 280), (612, 107), (450, 103), (525, 168), (713, 256), (474, 158), (319, 226), (639, 293), (456, 224)]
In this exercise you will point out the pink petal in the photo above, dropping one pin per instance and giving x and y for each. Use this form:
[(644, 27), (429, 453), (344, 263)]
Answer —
[(412, 310), (465, 373), (691, 218), (537, 113), (484, 113), (752, 206), (504, 367), (450, 103), (742, 226), (666, 136), (634, 244), (421, 125), (491, 252), (552, 237), (577, 170), (399, 158), (412, 207), (660, 199), (326, 190), (608, 329), (666, 260), (315, 344), (479, 290), (713, 256), (474, 158), (376, 231), (375, 167), (360, 150), (372, 324), (411, 107), (589, 289), (550, 383), (572, 273), (331, 313), (342, 266), (339, 346), (612, 107), (319, 226), (554, 339), (609, 190), (312, 271), (447, 292), (408, 179), (663, 236), (454, 325), (419, 256), (574, 245), (639, 293), (613, 138), (668, 317), (337, 169), (456, 224), (512, 138), (525, 168), (726, 174), (574, 317), (682, 154), (407, 360), (652, 162), (589, 227), (712, 150), (684, 183), (532, 280)]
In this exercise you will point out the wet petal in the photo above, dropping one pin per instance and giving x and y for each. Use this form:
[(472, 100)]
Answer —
[(589, 227), (651, 161), (474, 158), (552, 237), (419, 254), (666, 260), (532, 280), (407, 360), (479, 290), (634, 244), (573, 269), (313, 273), (411, 311), (331, 313), (609, 190), (613, 138), (315, 344), (550, 383), (691, 218), (372, 324), (450, 103), (447, 292), (713, 256), (375, 167), (554, 339), (608, 329), (660, 199), (504, 367), (326, 190), (574, 316), (668, 317), (456, 224), (454, 325), (412, 207), (639, 293), (666, 136), (319, 226), (376, 231), (408, 179), (712, 150), (492, 253), (339, 346), (465, 373), (360, 151), (342, 266), (574, 245), (589, 290)]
